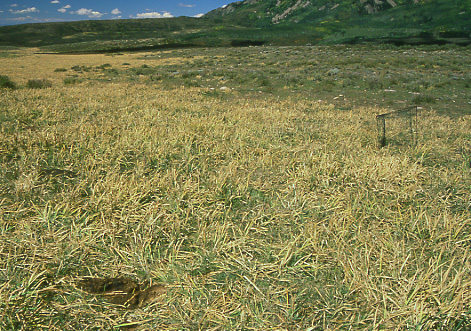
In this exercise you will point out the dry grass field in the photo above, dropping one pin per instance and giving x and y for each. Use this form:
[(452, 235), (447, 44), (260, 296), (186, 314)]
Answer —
[(218, 203)]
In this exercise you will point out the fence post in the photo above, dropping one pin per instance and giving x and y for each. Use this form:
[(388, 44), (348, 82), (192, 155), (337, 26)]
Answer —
[(382, 130)]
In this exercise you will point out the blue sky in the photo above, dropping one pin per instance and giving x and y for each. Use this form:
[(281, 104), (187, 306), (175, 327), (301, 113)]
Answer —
[(37, 11)]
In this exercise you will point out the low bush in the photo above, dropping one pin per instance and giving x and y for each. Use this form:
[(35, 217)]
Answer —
[(104, 66), (38, 83), (81, 68), (424, 98), (191, 83), (144, 70), (72, 80), (5, 82)]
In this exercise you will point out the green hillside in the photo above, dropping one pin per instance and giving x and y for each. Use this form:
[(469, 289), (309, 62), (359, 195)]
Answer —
[(324, 21), (142, 32), (256, 22)]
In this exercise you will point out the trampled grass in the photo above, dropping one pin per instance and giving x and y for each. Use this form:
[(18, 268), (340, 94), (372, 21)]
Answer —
[(257, 209)]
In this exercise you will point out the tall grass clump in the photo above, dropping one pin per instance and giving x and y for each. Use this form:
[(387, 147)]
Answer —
[(255, 211)]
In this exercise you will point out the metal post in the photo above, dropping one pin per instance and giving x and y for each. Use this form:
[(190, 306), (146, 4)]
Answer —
[(382, 129), (416, 126)]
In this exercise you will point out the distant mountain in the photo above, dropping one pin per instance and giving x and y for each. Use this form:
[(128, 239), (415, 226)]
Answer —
[(258, 22), (350, 20), (296, 11)]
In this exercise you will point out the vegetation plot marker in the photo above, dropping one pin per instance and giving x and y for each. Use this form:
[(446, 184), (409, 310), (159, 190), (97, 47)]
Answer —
[(410, 114)]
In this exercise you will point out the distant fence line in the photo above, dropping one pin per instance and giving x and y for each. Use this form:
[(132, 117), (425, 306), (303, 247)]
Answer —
[(409, 114)]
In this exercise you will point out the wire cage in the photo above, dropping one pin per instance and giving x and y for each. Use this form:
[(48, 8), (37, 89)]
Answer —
[(398, 127)]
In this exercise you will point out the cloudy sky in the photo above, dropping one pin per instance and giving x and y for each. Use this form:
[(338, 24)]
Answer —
[(37, 11)]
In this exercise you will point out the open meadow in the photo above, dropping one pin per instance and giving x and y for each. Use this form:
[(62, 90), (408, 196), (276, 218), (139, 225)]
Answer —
[(235, 189)]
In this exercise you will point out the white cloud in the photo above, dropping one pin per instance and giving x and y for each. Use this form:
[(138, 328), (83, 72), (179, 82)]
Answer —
[(116, 11), (20, 18), (154, 15), (199, 15), (14, 5), (88, 12), (64, 9), (187, 6), (55, 1), (27, 10), (33, 19)]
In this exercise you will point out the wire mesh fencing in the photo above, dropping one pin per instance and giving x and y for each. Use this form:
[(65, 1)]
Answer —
[(399, 127)]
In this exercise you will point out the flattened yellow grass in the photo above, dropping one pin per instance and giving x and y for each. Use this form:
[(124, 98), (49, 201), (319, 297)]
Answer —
[(260, 213)]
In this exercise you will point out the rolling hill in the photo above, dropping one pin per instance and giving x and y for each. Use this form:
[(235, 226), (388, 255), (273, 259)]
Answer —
[(256, 22)]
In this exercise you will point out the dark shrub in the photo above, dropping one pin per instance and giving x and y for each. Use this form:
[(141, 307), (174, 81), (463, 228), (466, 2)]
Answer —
[(424, 98), (81, 68), (5, 82), (38, 83), (104, 66), (191, 83), (72, 80)]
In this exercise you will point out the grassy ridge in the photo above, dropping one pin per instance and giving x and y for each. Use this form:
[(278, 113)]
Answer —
[(44, 34), (256, 211)]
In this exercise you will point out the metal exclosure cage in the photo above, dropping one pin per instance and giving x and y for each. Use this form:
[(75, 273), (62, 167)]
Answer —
[(398, 127)]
